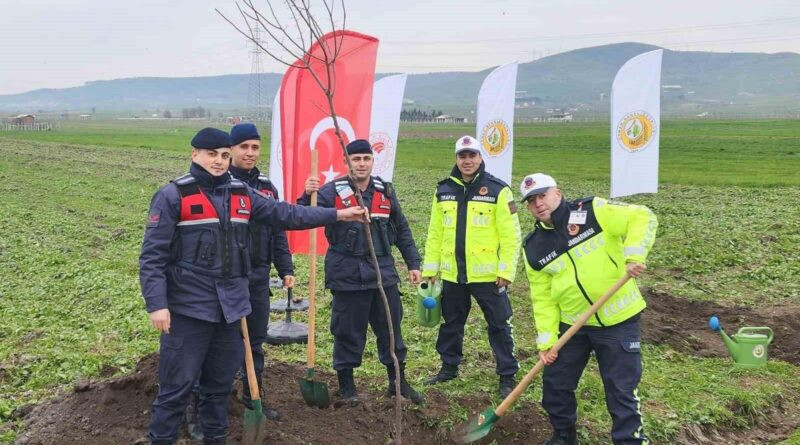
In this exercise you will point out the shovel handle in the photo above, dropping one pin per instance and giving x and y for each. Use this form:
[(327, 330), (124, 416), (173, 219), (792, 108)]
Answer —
[(312, 276), (565, 337), (248, 363)]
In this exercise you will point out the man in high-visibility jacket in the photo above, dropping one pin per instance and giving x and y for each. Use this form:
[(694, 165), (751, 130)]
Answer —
[(576, 251), (473, 243)]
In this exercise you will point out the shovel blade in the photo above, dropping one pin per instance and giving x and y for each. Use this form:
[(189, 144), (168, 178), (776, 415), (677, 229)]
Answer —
[(475, 428), (254, 425), (314, 393)]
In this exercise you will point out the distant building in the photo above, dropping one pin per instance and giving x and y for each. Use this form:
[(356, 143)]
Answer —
[(671, 87), (447, 119), (23, 119), (560, 117)]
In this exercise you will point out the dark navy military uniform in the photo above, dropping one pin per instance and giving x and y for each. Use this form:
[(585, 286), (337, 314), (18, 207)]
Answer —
[(268, 246), (352, 279), (195, 262)]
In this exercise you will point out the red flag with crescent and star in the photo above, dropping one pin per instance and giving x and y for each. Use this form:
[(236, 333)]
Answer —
[(306, 122)]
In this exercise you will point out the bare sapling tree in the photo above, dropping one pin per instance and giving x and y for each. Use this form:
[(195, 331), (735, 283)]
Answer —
[(290, 43)]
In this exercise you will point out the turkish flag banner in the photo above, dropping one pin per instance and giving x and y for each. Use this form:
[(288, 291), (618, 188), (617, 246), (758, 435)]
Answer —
[(306, 122)]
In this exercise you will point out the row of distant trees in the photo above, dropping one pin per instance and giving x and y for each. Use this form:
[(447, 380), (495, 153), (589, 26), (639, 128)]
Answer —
[(417, 115)]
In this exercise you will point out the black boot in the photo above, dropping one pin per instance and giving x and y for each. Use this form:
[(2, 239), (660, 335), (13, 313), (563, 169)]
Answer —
[(406, 390), (563, 437), (507, 384), (347, 387), (447, 373), (192, 423)]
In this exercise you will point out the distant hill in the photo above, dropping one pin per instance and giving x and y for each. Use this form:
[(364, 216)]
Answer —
[(579, 80)]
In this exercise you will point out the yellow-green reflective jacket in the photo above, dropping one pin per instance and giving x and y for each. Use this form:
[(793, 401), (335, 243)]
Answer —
[(570, 265), (474, 233)]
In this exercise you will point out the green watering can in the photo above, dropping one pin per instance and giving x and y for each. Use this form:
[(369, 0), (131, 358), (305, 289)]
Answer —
[(429, 303), (748, 347)]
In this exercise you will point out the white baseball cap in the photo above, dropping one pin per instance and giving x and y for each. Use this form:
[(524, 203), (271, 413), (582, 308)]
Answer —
[(467, 143), (536, 183)]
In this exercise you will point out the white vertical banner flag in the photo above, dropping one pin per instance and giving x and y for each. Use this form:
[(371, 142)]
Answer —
[(275, 149), (495, 120), (636, 125), (387, 103)]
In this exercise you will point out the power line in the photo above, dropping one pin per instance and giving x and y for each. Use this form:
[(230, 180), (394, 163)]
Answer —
[(770, 22)]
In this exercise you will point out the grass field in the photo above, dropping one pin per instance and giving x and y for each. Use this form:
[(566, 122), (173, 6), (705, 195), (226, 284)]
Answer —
[(74, 202)]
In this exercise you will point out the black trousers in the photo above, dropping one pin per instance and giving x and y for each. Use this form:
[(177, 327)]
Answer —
[(352, 311), (456, 304), (195, 348), (617, 349), (257, 324)]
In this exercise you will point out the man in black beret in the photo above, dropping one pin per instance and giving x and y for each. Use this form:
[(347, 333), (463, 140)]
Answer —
[(193, 273), (268, 246), (350, 276)]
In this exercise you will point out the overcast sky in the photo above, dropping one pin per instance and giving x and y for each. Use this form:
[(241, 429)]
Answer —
[(63, 43)]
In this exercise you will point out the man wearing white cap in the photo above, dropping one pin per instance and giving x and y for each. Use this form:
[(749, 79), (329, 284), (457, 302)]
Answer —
[(576, 251), (473, 242)]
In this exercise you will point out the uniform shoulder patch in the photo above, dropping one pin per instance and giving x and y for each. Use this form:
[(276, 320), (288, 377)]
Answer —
[(153, 219), (512, 206)]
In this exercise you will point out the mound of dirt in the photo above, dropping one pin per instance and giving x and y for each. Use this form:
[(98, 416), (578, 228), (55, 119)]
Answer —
[(117, 411), (683, 324)]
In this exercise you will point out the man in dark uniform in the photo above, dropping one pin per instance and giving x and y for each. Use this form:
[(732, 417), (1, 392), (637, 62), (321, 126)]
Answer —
[(350, 276), (267, 245), (193, 273), (473, 243)]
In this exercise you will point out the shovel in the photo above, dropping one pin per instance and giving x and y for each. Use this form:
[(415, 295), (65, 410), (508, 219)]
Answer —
[(314, 393), (254, 425), (480, 425)]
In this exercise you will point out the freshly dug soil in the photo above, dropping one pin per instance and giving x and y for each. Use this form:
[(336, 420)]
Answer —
[(118, 411), (683, 324)]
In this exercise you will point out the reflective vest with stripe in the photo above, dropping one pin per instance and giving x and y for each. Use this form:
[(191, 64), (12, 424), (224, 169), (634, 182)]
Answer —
[(349, 237), (205, 242)]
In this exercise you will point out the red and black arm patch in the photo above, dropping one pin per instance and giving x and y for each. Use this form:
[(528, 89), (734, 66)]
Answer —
[(154, 218)]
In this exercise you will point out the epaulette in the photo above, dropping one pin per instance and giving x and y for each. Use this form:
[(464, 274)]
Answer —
[(496, 180), (378, 183), (185, 180), (264, 179), (236, 183), (528, 236), (582, 200)]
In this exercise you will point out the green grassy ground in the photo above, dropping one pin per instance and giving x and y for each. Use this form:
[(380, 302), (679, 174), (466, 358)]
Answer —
[(75, 201)]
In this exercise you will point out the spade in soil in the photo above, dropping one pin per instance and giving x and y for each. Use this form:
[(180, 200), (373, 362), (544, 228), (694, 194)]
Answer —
[(254, 423), (480, 425)]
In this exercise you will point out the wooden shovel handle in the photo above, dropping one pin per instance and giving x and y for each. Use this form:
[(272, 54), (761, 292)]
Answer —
[(248, 363), (312, 275), (565, 337)]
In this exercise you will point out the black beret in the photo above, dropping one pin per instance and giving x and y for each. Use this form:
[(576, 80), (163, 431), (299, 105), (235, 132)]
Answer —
[(211, 139), (244, 132), (359, 146)]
